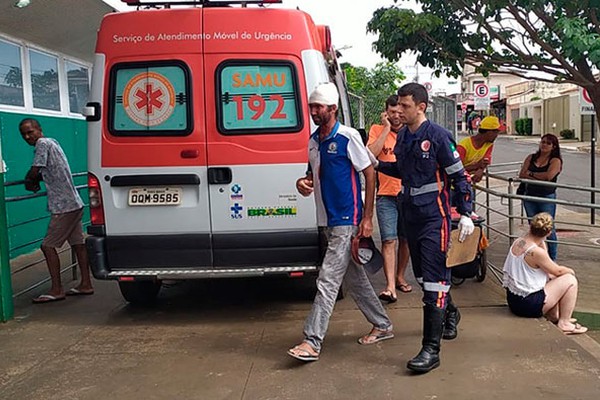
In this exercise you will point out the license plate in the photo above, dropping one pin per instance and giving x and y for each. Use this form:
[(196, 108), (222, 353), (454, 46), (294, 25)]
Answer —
[(155, 196)]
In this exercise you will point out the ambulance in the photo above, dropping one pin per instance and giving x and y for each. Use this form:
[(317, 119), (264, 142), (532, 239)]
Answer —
[(198, 126)]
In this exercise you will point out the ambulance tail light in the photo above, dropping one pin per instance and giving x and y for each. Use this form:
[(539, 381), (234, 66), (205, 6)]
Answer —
[(95, 196), (325, 37)]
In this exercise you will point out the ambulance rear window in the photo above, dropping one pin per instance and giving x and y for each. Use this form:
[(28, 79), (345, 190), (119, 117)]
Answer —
[(257, 97), (150, 99)]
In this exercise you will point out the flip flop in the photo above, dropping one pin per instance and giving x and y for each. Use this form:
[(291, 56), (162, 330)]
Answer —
[(77, 292), (375, 336), (577, 329), (302, 354), (386, 295), (46, 298), (404, 288)]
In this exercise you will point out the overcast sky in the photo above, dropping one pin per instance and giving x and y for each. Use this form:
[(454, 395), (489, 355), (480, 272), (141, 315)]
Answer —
[(348, 23)]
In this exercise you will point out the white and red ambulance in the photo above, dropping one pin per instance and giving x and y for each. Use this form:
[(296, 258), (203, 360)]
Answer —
[(198, 130)]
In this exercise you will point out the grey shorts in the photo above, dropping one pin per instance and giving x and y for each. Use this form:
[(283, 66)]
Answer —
[(64, 227)]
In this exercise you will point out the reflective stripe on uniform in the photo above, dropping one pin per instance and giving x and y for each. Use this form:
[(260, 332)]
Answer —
[(435, 287), (430, 187), (420, 280), (454, 168)]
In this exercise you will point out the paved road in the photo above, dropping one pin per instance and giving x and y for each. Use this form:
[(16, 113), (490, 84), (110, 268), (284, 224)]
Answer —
[(576, 166)]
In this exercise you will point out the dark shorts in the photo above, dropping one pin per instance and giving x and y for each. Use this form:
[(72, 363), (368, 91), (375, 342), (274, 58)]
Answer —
[(527, 307)]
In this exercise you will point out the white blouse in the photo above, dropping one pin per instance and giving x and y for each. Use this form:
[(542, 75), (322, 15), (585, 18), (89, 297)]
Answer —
[(519, 277)]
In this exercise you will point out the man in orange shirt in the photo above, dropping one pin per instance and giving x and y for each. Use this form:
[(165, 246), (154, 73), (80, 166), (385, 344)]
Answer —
[(382, 139)]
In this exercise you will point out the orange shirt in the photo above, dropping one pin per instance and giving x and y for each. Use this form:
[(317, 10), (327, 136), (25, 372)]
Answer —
[(388, 186)]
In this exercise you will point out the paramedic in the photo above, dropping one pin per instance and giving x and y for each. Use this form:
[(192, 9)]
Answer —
[(428, 163), (65, 206), (336, 156)]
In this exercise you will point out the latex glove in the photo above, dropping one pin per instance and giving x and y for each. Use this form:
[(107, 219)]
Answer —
[(374, 160), (465, 228)]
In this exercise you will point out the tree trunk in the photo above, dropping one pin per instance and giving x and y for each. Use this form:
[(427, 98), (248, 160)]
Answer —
[(594, 93)]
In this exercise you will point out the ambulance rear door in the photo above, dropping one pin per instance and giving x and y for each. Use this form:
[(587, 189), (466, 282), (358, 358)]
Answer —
[(257, 137), (153, 150)]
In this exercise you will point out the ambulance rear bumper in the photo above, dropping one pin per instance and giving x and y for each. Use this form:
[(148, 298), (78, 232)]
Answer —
[(202, 256)]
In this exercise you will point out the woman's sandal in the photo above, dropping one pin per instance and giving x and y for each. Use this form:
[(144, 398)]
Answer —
[(577, 329)]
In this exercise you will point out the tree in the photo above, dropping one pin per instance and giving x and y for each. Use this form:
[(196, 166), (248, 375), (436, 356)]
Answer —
[(547, 40), (374, 86)]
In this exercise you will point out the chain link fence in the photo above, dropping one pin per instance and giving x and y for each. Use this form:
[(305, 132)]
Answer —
[(442, 111), (367, 111)]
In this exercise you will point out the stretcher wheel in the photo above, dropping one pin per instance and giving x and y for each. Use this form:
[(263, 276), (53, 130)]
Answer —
[(457, 281), (482, 270)]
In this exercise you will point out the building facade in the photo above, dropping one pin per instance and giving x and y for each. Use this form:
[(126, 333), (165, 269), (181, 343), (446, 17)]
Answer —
[(45, 73)]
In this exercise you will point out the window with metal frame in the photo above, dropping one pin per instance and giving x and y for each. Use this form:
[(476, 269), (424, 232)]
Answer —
[(258, 97), (78, 81), (44, 81), (11, 75), (150, 99)]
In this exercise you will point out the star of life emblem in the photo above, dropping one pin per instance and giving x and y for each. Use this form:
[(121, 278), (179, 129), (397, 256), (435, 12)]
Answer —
[(149, 99)]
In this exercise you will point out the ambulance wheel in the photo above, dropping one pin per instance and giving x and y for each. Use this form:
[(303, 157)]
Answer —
[(140, 293), (482, 271)]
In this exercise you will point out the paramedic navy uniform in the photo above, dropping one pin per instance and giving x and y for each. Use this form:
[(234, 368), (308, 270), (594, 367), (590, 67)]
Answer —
[(428, 164)]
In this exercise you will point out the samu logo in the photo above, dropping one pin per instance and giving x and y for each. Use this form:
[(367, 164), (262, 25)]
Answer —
[(332, 148), (236, 188)]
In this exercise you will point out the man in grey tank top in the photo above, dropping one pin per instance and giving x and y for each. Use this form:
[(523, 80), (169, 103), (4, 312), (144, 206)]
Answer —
[(66, 208)]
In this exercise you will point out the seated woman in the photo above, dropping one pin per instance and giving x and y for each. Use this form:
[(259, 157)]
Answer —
[(536, 285)]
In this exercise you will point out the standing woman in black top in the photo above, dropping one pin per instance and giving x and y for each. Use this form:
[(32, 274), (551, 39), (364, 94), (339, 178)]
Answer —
[(544, 165)]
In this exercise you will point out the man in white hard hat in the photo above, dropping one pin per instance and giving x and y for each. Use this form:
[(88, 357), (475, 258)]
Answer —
[(336, 157)]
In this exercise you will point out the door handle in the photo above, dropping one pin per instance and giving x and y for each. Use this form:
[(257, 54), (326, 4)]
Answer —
[(220, 176)]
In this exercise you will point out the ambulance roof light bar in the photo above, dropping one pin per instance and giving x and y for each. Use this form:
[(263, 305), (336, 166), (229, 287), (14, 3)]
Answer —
[(167, 3)]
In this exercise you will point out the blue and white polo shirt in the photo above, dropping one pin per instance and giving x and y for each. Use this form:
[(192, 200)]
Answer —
[(335, 163)]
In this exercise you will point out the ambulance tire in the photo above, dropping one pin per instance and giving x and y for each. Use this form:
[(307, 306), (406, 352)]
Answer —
[(140, 293)]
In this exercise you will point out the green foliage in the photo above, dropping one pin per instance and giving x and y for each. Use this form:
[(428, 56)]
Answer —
[(560, 38), (519, 127), (567, 134), (374, 85), (528, 126)]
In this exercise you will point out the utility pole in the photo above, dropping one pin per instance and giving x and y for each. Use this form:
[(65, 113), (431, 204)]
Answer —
[(6, 301), (593, 168)]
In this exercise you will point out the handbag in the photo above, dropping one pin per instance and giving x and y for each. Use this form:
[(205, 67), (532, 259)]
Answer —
[(522, 189)]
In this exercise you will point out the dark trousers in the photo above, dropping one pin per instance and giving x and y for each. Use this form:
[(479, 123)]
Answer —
[(428, 234)]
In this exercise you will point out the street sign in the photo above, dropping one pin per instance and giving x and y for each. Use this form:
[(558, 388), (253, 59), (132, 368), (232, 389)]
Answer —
[(481, 97), (428, 86), (586, 106)]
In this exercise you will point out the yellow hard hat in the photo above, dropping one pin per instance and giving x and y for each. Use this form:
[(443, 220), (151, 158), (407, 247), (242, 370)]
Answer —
[(490, 123)]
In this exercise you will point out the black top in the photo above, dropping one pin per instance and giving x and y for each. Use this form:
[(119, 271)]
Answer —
[(539, 190)]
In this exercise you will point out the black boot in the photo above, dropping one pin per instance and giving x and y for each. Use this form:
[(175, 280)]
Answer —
[(451, 322), (433, 326)]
